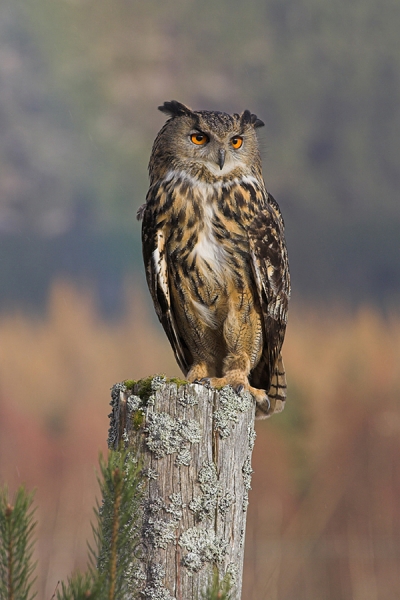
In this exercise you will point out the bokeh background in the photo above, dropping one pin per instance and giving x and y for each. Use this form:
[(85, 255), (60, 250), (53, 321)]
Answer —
[(80, 81)]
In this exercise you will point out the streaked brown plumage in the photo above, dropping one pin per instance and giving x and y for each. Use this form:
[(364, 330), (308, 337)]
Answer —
[(215, 254)]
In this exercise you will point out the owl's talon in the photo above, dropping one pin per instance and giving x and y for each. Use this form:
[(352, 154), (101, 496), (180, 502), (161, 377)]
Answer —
[(267, 401), (239, 388), (205, 381), (263, 407)]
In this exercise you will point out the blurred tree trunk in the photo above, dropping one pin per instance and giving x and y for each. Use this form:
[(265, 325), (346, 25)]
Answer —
[(195, 447)]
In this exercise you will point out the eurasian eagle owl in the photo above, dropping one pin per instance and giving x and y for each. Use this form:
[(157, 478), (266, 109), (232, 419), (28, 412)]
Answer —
[(215, 254)]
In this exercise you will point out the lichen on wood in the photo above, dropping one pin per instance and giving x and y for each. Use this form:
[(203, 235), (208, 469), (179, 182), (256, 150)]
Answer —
[(195, 446)]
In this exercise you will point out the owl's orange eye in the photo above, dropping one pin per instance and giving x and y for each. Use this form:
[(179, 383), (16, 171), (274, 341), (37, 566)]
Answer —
[(237, 141), (199, 139)]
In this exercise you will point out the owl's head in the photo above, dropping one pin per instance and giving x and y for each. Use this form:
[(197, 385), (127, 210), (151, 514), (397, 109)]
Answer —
[(205, 143)]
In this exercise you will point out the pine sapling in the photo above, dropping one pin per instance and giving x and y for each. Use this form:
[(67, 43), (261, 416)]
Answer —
[(16, 545), (117, 534)]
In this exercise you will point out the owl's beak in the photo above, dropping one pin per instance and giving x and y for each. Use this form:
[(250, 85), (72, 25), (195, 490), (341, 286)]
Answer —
[(221, 157)]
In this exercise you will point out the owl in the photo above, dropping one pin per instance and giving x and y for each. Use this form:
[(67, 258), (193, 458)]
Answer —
[(215, 254)]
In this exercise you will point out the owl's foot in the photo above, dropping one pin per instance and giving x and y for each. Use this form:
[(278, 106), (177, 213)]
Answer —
[(197, 372), (264, 406)]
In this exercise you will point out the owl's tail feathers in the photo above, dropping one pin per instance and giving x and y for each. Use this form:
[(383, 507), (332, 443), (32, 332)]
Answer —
[(277, 389), (276, 392)]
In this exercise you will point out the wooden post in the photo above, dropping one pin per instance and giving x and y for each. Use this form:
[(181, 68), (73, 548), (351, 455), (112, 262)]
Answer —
[(195, 447)]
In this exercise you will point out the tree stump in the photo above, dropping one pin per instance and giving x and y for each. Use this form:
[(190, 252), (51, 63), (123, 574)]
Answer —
[(194, 445)]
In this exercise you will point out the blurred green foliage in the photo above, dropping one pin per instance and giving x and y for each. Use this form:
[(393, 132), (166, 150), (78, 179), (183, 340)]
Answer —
[(81, 80)]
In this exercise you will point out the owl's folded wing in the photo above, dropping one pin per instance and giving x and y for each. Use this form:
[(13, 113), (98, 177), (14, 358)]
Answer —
[(271, 274), (157, 274)]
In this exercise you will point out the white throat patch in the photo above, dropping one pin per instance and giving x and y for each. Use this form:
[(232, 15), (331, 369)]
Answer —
[(217, 172)]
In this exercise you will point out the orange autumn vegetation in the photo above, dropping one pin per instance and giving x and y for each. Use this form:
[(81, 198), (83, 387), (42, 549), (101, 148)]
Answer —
[(324, 515)]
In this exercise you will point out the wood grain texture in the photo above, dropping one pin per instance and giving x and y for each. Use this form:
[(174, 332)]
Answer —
[(195, 447)]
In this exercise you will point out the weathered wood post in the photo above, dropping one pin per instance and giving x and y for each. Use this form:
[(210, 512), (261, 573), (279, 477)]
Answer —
[(195, 446)]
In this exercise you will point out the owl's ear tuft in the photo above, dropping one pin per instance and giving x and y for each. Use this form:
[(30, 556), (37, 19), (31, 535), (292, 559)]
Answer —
[(249, 118), (174, 109), (246, 117), (256, 122)]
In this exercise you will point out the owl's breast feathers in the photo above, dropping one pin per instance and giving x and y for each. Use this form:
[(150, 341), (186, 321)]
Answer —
[(203, 242)]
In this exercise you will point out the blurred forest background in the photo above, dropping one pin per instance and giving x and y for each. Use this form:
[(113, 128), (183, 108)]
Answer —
[(80, 81)]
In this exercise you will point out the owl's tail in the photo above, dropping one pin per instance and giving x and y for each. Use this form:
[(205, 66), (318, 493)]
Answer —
[(277, 389), (276, 392)]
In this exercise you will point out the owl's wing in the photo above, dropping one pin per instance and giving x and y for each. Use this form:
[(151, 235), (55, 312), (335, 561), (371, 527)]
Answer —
[(271, 274), (157, 275)]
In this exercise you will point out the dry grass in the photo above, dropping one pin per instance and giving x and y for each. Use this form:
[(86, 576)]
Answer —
[(324, 518)]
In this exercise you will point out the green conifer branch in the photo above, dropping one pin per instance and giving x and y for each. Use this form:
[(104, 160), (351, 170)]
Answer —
[(117, 532), (8, 515), (16, 545), (80, 587)]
